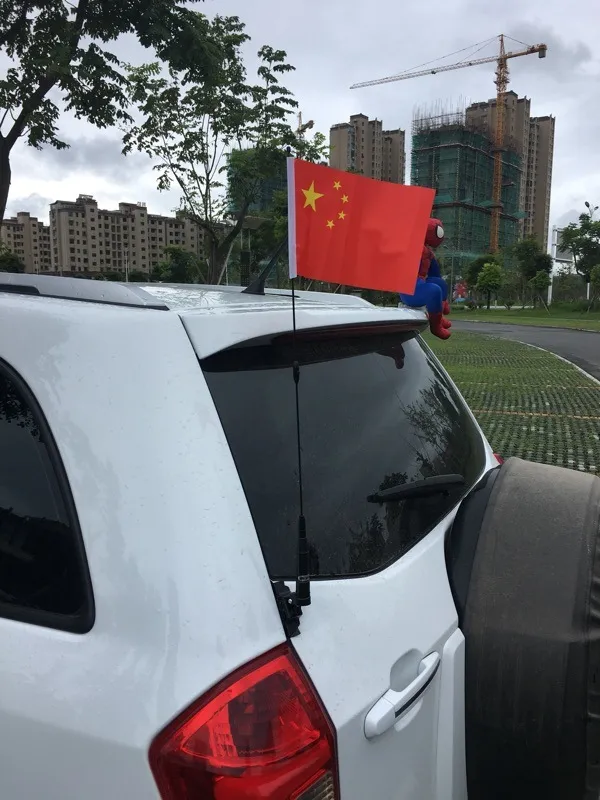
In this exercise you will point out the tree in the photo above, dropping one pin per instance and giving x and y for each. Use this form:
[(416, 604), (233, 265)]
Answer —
[(55, 52), (540, 281), (511, 287), (474, 268), (9, 261), (490, 280), (594, 287), (544, 262), (179, 266), (582, 240), (201, 133), (526, 252)]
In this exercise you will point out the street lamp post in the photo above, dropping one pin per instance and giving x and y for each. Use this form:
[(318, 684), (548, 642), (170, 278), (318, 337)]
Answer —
[(591, 211)]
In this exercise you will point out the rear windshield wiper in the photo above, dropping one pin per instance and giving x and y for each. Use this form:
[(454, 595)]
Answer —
[(438, 484)]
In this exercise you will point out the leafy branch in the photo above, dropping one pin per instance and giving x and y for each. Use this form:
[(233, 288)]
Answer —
[(217, 141)]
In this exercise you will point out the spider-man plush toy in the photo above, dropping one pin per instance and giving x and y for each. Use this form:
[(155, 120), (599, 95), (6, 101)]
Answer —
[(431, 290)]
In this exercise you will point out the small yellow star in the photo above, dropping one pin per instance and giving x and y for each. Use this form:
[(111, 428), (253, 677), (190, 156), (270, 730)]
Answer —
[(344, 198), (330, 224), (311, 196), (337, 185), (342, 215)]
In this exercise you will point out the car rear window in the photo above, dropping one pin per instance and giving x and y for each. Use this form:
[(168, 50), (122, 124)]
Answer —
[(376, 410)]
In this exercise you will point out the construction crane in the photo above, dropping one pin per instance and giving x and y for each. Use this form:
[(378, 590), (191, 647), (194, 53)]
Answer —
[(303, 127), (501, 81)]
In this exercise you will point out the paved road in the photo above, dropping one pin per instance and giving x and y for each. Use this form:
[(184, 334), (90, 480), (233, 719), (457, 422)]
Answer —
[(580, 347)]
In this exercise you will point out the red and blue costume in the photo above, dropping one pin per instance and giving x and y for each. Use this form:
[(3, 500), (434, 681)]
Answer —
[(431, 290)]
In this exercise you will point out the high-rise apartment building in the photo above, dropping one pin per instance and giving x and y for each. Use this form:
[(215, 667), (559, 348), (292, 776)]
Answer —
[(29, 239), (393, 161), (85, 238), (361, 145), (533, 139), (539, 178)]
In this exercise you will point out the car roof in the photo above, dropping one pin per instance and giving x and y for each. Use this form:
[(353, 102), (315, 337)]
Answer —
[(198, 298), (180, 298)]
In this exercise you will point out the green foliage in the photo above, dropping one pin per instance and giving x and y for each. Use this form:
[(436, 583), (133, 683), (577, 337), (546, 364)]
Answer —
[(582, 240), (9, 261), (138, 276), (179, 266), (544, 263), (273, 229), (526, 253), (57, 51), (490, 280), (540, 281), (595, 279), (510, 290), (474, 268), (568, 287), (194, 129)]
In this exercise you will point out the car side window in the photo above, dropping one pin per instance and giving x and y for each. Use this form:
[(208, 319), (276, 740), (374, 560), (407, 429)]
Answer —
[(44, 578)]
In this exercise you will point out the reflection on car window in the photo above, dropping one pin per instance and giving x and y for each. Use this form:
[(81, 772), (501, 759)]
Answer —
[(375, 412), (40, 568)]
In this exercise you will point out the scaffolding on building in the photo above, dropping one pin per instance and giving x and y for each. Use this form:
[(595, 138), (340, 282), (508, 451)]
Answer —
[(456, 158)]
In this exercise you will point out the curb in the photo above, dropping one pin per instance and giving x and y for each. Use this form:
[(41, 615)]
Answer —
[(562, 358), (525, 325)]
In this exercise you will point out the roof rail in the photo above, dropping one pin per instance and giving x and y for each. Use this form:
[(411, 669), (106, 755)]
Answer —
[(87, 291)]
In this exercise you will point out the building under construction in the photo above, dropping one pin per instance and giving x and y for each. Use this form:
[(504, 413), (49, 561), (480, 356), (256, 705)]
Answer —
[(455, 156)]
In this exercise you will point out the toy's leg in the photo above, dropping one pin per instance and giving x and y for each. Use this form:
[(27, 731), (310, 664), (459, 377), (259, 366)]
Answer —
[(444, 287), (419, 298), (434, 308), (429, 294)]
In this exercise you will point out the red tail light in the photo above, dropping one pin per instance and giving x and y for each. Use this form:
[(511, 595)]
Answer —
[(261, 732), (498, 458)]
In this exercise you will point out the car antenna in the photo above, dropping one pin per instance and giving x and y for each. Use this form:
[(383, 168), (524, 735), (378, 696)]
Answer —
[(290, 604), (303, 575), (258, 284)]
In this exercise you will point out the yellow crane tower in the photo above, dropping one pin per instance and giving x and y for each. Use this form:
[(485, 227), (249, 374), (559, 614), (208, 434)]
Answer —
[(501, 81)]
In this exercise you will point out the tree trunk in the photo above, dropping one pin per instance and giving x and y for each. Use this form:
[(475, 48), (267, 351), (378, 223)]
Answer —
[(4, 177), (489, 300)]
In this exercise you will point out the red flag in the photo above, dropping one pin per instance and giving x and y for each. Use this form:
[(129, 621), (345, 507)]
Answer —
[(345, 228)]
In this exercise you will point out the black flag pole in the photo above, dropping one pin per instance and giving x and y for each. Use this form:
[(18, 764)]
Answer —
[(303, 574)]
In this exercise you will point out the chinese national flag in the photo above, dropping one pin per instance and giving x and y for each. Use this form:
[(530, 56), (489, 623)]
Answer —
[(345, 228)]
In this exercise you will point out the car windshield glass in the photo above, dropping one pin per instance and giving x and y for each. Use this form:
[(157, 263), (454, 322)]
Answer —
[(376, 411)]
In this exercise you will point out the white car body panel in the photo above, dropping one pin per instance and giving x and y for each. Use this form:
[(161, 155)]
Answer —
[(172, 552), (182, 592)]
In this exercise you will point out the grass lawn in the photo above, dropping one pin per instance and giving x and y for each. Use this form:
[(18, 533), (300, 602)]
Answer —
[(528, 403), (557, 318)]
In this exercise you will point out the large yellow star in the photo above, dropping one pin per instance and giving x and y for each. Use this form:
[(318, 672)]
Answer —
[(311, 196)]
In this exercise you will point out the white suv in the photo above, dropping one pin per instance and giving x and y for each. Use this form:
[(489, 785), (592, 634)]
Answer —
[(160, 635)]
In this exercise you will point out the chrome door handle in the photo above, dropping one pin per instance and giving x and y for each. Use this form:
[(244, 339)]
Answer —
[(393, 705)]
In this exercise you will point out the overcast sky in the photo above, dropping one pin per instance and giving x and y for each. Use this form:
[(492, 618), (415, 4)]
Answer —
[(335, 43)]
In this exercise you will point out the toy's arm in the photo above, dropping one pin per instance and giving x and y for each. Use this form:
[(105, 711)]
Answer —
[(434, 268)]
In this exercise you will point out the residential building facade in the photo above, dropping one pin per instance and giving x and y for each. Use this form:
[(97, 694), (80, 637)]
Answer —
[(29, 239), (85, 238), (361, 145)]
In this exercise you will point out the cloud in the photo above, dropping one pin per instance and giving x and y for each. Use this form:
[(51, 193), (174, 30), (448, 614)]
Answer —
[(336, 43), (97, 152), (34, 203), (572, 215)]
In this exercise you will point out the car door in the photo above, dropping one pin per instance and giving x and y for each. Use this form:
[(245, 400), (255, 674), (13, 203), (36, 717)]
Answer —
[(380, 638)]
